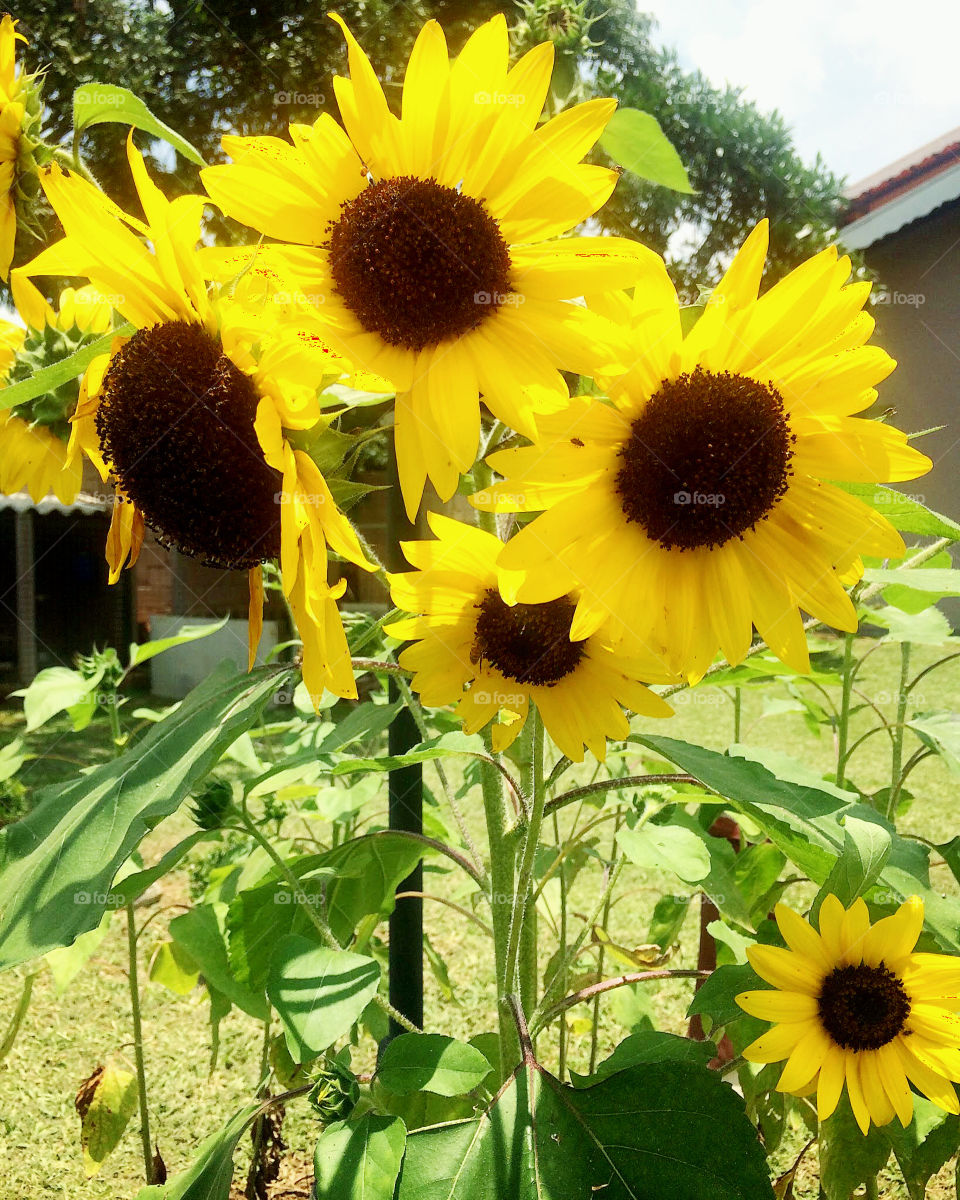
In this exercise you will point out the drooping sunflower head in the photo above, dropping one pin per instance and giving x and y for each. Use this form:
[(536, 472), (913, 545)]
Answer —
[(705, 501), (492, 659), (425, 239), (188, 414), (21, 150), (855, 1005)]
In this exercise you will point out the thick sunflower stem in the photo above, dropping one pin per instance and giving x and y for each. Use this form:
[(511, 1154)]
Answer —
[(843, 724), (523, 900), (528, 963), (502, 871)]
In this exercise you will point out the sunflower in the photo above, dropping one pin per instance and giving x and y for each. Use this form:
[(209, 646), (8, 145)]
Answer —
[(431, 241), (20, 113), (492, 659), (190, 425), (701, 501), (855, 1004), (33, 439)]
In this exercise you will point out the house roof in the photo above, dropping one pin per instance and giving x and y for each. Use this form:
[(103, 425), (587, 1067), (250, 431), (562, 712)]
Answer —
[(86, 504), (902, 192)]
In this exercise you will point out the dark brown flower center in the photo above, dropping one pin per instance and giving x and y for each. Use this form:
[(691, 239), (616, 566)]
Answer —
[(417, 262), (528, 643), (175, 421), (863, 1008), (706, 459)]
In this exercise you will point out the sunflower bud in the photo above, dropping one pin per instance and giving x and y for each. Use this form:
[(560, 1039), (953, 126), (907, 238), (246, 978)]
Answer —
[(335, 1092)]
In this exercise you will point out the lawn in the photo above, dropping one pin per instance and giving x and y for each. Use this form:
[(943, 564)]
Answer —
[(64, 1038)]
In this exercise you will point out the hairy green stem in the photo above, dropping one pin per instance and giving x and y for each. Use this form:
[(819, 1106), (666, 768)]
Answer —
[(562, 879), (595, 1031), (526, 904), (844, 720), (897, 774), (502, 868)]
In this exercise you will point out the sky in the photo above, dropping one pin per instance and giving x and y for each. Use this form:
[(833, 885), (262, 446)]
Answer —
[(864, 82)]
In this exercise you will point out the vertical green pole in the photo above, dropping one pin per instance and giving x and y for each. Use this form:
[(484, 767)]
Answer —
[(405, 808)]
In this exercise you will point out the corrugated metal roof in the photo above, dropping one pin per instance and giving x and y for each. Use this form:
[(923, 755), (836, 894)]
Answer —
[(86, 504), (903, 192)]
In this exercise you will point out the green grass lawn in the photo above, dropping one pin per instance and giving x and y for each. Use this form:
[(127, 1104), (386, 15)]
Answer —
[(64, 1038)]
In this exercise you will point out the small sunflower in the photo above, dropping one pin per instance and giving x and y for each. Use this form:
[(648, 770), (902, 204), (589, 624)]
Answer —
[(432, 239), (700, 502), (34, 450), (190, 425), (493, 659), (855, 1004), (21, 109)]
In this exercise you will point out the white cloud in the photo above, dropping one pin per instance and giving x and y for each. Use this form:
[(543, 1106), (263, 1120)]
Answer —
[(862, 81)]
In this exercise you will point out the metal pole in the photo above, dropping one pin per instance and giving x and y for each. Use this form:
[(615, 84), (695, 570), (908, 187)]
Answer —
[(405, 807)]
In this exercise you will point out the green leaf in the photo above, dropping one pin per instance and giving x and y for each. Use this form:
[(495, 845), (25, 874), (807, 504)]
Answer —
[(48, 379), (913, 591), (669, 914), (188, 633), (173, 967), (927, 628), (654, 1130), (847, 1157), (57, 864), (12, 757), (431, 1062), (441, 747), (353, 883), (105, 103), (866, 848), (66, 963), (647, 1046), (440, 970), (714, 997), (107, 1102), (635, 141), (318, 993), (200, 934), (922, 1148), (940, 732), (134, 883), (211, 1173), (54, 690), (365, 721), (359, 1160), (666, 847), (903, 512)]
